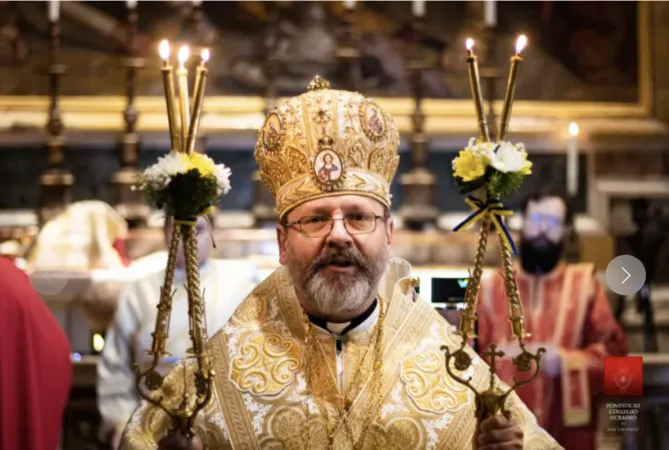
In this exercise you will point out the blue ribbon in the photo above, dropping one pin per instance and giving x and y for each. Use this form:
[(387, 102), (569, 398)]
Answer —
[(496, 210)]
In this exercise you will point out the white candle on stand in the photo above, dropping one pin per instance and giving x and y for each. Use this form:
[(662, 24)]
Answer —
[(131, 4), (418, 8), (490, 13), (349, 4), (54, 10), (572, 160)]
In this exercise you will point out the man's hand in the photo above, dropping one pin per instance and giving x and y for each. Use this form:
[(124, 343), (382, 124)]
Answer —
[(498, 433), (179, 441)]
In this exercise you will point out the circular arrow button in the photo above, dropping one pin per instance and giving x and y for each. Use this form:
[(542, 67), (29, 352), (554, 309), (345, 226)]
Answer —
[(625, 275)]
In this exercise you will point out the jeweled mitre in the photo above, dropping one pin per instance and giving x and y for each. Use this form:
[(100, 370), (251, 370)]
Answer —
[(327, 142)]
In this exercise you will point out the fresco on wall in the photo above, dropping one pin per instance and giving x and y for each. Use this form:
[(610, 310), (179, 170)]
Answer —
[(579, 51)]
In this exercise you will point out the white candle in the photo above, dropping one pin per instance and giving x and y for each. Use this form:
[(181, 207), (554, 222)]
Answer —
[(418, 8), (54, 10), (349, 4), (131, 4), (572, 160), (197, 2), (490, 13)]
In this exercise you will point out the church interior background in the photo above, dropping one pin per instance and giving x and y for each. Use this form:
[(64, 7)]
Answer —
[(82, 112)]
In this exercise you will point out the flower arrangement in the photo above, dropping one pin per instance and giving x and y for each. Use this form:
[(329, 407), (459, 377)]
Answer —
[(497, 167), (186, 185)]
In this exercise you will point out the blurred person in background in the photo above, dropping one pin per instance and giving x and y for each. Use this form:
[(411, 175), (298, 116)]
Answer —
[(224, 282), (566, 312), (35, 366)]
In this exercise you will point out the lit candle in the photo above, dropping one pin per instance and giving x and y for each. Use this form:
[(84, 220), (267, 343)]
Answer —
[(168, 83), (131, 4), (572, 160), (349, 4), (182, 80), (521, 42), (490, 13), (54, 10), (418, 8), (475, 85), (200, 82)]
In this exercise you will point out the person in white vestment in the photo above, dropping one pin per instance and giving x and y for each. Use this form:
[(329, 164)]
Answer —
[(225, 284)]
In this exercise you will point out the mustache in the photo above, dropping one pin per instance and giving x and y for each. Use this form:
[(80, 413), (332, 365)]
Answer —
[(338, 255)]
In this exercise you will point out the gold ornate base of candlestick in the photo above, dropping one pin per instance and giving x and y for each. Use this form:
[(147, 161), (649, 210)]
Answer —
[(184, 414), (263, 209), (128, 201), (418, 187), (55, 192), (491, 401)]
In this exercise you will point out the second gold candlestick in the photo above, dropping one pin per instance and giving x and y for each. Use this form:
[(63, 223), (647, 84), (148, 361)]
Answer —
[(184, 104), (511, 88)]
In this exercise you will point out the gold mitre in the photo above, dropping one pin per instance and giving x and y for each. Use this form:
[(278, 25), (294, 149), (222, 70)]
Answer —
[(327, 142)]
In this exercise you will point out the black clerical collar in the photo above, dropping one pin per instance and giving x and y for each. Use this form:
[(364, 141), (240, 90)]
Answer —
[(347, 327)]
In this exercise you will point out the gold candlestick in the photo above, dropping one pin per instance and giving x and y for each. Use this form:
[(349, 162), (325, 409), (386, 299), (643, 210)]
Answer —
[(150, 380), (168, 83), (162, 326), (521, 42), (492, 400), (182, 83), (475, 84), (200, 83)]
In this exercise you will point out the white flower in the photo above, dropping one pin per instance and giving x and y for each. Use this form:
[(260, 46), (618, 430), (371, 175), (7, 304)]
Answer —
[(222, 175), (173, 164), (483, 150), (508, 157), (159, 175)]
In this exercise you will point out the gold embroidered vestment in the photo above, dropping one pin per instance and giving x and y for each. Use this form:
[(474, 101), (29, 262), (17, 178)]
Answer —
[(261, 399)]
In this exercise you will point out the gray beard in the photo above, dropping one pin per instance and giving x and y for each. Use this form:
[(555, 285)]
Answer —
[(341, 294), (338, 296)]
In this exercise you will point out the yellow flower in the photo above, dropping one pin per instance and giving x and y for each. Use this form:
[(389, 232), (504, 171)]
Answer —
[(527, 165), (467, 166), (204, 164)]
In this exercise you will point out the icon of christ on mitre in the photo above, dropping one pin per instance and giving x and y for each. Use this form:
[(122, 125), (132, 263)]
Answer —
[(335, 349)]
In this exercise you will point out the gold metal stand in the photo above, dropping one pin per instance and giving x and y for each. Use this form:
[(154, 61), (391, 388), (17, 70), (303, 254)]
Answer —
[(347, 50), (492, 400), (263, 203), (418, 185), (56, 181), (129, 202), (149, 381)]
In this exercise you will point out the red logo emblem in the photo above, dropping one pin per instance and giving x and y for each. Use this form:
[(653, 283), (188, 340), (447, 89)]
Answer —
[(623, 376)]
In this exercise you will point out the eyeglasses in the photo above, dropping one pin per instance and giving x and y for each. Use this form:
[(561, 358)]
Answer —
[(550, 220), (320, 226)]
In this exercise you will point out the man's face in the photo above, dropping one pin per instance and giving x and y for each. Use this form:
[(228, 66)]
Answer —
[(542, 238), (204, 241), (545, 218), (338, 274)]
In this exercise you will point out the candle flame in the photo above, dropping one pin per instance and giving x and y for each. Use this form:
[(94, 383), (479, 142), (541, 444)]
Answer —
[(469, 43), (521, 42), (205, 55), (164, 49), (183, 54), (573, 129)]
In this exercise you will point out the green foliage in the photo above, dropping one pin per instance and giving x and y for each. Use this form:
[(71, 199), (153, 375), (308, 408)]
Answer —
[(502, 184), (497, 184), (187, 195)]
